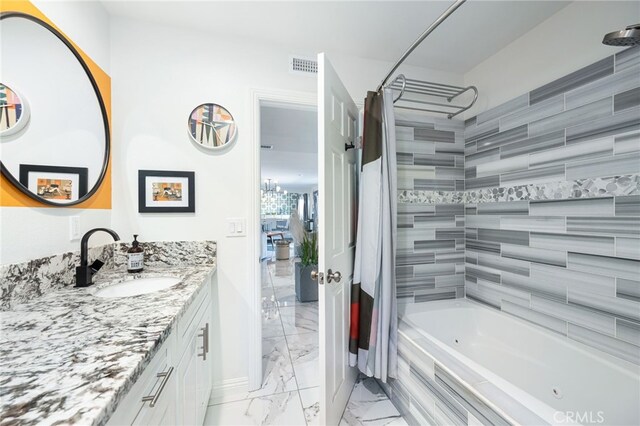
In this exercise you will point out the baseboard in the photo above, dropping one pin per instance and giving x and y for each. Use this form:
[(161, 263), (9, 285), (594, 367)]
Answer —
[(226, 390)]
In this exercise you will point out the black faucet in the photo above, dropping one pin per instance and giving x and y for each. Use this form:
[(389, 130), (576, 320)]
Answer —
[(84, 272)]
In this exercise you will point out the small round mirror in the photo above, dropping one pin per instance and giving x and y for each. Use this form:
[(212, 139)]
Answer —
[(211, 126), (14, 111)]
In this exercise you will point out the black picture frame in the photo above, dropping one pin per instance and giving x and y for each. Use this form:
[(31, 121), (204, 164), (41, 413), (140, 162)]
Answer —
[(82, 172), (142, 191)]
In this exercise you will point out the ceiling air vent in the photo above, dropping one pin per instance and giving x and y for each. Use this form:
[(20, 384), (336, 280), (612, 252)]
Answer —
[(307, 66)]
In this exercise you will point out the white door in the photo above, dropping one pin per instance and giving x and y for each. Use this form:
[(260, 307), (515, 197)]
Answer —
[(337, 121)]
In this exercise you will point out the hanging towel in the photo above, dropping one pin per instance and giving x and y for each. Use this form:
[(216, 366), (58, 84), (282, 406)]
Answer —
[(374, 322)]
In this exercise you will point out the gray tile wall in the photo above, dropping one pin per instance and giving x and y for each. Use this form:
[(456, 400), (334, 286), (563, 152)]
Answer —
[(430, 257), (569, 262)]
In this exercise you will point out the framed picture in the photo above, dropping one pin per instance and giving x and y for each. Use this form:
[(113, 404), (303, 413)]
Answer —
[(163, 191), (54, 183)]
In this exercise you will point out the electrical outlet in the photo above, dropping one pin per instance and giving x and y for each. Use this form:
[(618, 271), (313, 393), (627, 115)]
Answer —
[(74, 228)]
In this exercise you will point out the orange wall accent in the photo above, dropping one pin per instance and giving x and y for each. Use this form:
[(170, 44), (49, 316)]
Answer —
[(10, 196)]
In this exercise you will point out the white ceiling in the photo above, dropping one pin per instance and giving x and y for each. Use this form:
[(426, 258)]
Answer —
[(293, 161), (372, 29)]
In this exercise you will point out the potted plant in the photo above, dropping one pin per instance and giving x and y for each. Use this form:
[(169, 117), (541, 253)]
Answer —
[(306, 288)]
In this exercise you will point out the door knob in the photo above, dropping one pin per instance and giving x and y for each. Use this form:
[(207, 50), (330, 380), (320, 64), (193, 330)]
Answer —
[(317, 276), (333, 276)]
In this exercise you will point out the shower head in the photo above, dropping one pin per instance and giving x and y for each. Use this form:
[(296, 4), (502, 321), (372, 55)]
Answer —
[(630, 36)]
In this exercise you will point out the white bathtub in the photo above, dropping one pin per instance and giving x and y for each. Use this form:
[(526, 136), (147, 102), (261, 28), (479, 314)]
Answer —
[(561, 381)]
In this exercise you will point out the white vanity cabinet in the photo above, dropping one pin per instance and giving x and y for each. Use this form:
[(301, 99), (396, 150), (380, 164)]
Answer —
[(152, 399), (194, 371), (174, 388)]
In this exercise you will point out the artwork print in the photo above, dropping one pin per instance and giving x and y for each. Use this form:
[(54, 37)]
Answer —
[(167, 191), (55, 189)]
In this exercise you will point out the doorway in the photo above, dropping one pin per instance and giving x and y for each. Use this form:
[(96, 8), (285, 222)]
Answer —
[(289, 299), (285, 213)]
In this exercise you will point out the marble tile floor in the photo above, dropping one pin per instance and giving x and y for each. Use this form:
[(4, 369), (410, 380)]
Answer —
[(290, 391)]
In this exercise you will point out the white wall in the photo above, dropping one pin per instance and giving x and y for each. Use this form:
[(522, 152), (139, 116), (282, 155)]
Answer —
[(159, 75), (84, 22), (566, 42), (28, 233)]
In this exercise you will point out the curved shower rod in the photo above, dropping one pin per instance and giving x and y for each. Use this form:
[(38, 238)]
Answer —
[(420, 39)]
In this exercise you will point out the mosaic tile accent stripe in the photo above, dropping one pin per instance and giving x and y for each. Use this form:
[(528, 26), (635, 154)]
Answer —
[(551, 236), (626, 185)]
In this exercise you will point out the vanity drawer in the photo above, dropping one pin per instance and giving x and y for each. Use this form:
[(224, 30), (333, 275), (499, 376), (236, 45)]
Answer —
[(158, 379)]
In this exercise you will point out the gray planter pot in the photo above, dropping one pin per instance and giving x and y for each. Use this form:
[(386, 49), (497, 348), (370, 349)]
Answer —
[(306, 288)]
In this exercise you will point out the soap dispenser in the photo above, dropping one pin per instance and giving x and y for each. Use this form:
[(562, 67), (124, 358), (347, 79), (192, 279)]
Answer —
[(135, 256)]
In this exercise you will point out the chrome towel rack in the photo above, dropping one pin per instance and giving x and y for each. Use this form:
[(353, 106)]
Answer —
[(432, 92)]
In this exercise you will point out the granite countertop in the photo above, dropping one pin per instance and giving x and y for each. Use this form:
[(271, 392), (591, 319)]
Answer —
[(70, 357)]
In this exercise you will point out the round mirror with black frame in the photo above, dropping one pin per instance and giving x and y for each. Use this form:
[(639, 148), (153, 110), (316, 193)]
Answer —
[(59, 154)]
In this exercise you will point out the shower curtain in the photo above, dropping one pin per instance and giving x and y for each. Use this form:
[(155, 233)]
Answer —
[(373, 343)]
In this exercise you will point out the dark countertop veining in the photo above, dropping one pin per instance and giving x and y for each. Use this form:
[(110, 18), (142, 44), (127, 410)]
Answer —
[(70, 357)]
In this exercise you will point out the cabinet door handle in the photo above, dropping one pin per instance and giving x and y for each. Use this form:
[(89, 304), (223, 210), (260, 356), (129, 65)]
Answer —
[(205, 341), (165, 378)]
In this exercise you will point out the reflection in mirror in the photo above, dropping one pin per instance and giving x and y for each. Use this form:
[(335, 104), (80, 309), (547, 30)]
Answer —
[(14, 111), (61, 156), (212, 126)]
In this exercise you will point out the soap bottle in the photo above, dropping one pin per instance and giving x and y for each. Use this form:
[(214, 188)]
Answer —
[(135, 256)]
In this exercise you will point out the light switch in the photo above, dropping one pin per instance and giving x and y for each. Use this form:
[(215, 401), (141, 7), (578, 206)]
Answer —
[(236, 227), (74, 228)]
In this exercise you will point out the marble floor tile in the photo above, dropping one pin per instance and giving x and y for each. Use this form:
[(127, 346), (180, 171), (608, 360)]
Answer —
[(305, 358), (284, 281), (301, 318), (283, 268), (369, 405), (286, 296), (265, 275), (268, 295), (311, 405), (276, 367), (278, 409), (277, 371), (271, 324)]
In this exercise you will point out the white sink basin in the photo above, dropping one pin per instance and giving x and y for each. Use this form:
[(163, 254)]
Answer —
[(137, 286)]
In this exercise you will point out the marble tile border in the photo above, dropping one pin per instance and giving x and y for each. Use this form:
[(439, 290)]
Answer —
[(582, 188)]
